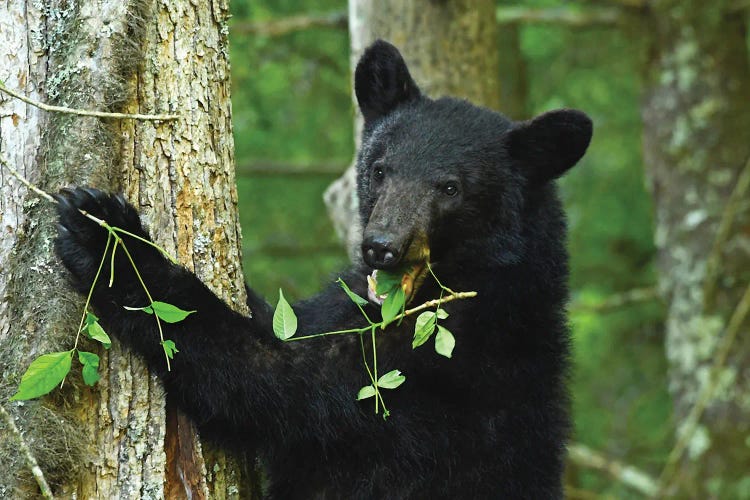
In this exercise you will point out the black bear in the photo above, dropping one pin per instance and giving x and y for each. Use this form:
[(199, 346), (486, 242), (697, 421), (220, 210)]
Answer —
[(439, 181)]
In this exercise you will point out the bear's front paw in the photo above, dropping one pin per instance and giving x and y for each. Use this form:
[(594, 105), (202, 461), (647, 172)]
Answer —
[(81, 242)]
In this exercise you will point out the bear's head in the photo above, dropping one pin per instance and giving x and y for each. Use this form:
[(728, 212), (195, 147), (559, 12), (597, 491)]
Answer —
[(436, 175)]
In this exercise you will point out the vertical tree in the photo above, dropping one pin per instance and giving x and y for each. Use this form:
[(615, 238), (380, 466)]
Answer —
[(695, 114), (119, 439), (451, 49)]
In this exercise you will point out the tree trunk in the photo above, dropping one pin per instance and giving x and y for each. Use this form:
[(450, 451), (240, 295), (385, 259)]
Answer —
[(118, 439), (451, 49), (696, 114)]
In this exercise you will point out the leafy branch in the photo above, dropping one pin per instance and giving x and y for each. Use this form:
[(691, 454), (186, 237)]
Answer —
[(49, 370), (392, 310)]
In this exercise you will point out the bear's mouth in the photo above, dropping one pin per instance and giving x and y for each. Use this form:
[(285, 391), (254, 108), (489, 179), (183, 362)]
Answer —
[(411, 278)]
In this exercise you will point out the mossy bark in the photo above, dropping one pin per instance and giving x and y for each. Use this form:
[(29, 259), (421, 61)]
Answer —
[(450, 48), (696, 114), (119, 439)]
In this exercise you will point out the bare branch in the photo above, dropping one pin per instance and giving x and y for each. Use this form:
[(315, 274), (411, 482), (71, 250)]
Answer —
[(83, 112), (273, 169), (626, 474), (26, 183), (31, 462), (575, 17), (707, 392), (713, 263), (338, 20), (617, 301)]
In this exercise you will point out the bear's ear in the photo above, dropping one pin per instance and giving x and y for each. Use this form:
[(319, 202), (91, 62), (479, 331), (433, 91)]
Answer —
[(382, 81), (548, 145)]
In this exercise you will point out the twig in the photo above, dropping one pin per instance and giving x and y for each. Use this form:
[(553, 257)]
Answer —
[(713, 263), (435, 302), (627, 474), (31, 462), (84, 112), (283, 26), (707, 392)]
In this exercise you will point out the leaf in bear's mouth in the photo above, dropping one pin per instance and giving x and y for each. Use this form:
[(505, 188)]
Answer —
[(380, 283)]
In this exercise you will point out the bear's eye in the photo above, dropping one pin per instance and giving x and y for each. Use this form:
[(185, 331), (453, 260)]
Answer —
[(450, 189), (378, 172)]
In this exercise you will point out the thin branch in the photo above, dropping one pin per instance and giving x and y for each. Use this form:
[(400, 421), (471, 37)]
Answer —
[(273, 169), (83, 112), (567, 16), (338, 20), (436, 302), (707, 392), (619, 300), (626, 474), (26, 183), (713, 263), (31, 462)]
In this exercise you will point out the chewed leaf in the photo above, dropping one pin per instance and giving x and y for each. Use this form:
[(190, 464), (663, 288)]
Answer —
[(169, 348), (96, 332), (168, 312), (391, 380), (43, 375), (367, 391), (444, 342), (284, 319), (90, 362), (424, 328), (392, 305), (353, 296), (386, 282)]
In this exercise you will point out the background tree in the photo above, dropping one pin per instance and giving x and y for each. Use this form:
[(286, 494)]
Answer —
[(117, 440), (697, 99)]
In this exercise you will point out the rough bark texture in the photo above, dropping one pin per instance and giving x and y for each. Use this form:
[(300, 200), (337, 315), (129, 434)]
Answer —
[(696, 113), (115, 440), (450, 48)]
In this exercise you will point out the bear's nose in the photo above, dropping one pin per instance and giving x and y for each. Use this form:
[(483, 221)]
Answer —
[(380, 252)]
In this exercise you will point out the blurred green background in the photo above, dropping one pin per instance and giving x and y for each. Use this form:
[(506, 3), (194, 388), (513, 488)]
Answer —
[(292, 109)]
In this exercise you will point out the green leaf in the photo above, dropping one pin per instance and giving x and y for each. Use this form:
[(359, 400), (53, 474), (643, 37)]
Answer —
[(353, 296), (43, 375), (392, 305), (90, 375), (169, 348), (424, 328), (90, 318), (367, 391), (284, 319), (169, 312), (441, 313), (387, 281), (96, 332), (391, 380), (444, 342), (90, 362)]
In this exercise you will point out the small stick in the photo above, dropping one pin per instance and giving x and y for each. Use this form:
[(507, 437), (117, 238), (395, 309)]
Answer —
[(31, 462), (84, 112)]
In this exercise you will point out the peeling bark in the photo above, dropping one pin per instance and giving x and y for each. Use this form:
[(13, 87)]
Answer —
[(451, 49), (696, 113), (117, 440)]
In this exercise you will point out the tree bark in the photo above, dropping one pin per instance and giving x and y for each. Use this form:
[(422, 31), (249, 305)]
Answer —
[(695, 112), (450, 48), (118, 439)]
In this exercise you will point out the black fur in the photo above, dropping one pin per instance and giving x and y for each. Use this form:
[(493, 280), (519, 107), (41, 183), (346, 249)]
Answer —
[(492, 421)]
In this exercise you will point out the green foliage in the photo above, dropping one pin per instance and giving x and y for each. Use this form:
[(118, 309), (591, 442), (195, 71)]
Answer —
[(44, 374), (90, 371), (284, 319)]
